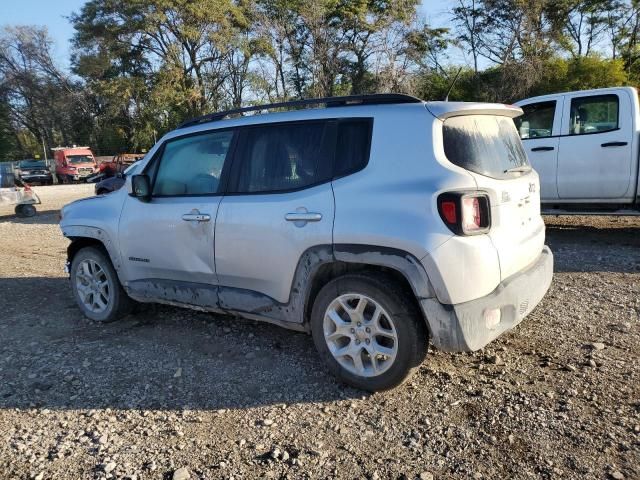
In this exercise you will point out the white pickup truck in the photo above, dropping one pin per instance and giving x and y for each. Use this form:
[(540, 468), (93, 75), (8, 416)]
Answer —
[(584, 145)]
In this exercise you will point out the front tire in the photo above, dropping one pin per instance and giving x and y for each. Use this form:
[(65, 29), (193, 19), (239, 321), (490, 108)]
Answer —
[(368, 331), (96, 287)]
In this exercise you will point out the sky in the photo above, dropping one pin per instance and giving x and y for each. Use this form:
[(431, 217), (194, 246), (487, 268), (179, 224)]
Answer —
[(53, 13)]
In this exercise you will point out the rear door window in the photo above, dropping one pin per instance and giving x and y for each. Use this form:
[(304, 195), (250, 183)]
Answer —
[(484, 144), (537, 121), (283, 157)]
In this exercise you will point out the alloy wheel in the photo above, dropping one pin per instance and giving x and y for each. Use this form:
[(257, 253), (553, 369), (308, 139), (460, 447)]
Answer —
[(93, 286), (360, 335)]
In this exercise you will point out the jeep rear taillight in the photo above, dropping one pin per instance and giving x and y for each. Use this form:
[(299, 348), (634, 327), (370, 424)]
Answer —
[(465, 213)]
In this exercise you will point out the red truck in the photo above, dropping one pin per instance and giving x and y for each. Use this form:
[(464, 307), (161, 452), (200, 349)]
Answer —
[(74, 164)]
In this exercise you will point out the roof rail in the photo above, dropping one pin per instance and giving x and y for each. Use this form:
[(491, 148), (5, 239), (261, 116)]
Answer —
[(370, 99)]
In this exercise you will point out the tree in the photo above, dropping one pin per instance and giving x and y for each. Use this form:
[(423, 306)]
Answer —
[(8, 146), (625, 35), (467, 16), (171, 58), (582, 24), (41, 100)]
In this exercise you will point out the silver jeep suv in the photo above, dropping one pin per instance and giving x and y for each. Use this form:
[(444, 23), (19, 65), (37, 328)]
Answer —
[(376, 223)]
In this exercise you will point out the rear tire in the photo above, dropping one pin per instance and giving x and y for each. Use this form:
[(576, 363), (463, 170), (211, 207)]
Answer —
[(96, 287), (371, 318)]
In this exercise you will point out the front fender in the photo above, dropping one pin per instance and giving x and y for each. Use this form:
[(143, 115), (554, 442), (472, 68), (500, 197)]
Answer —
[(78, 234)]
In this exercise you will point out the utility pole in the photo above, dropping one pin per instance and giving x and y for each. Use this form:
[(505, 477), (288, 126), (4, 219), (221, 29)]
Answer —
[(44, 149), (52, 169)]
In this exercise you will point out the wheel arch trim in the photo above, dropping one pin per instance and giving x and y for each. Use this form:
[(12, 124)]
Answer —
[(392, 258), (83, 236)]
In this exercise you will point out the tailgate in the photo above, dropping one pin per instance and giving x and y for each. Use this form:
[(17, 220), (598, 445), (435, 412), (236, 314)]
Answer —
[(489, 148), (517, 230)]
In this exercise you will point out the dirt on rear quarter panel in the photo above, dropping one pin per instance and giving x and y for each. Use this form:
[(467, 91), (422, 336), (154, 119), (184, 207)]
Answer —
[(169, 388)]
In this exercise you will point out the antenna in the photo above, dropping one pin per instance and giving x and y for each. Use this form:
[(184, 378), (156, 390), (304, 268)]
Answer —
[(455, 79)]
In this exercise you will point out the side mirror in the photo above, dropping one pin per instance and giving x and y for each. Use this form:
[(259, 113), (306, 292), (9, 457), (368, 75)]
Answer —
[(141, 187)]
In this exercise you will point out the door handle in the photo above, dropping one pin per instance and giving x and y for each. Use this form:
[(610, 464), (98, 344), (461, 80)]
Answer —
[(614, 144), (196, 217), (303, 217), (542, 149)]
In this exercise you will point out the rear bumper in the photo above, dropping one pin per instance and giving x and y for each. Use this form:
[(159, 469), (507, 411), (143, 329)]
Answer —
[(463, 327)]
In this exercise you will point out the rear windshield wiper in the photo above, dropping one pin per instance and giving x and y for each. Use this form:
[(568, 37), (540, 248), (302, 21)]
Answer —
[(520, 169)]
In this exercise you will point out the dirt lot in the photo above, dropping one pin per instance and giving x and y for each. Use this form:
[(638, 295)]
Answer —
[(559, 397)]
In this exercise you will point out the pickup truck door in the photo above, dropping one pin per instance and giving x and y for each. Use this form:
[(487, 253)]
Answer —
[(539, 130), (595, 156), (167, 243)]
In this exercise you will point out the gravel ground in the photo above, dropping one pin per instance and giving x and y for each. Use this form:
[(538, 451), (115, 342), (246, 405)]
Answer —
[(171, 393)]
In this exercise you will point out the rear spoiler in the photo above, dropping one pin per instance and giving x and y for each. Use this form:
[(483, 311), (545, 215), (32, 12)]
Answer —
[(443, 110)]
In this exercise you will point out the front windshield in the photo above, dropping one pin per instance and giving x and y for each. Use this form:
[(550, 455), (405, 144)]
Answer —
[(75, 159), (32, 164)]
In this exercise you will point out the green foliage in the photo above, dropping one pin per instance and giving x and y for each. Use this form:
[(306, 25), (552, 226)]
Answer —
[(7, 137), (559, 75), (581, 73)]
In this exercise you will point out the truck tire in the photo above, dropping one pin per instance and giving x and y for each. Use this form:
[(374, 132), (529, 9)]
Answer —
[(96, 286), (368, 331)]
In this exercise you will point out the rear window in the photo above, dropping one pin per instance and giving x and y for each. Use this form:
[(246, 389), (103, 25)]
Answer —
[(484, 144), (32, 164)]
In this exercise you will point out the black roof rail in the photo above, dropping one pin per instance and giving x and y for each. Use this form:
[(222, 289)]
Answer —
[(370, 99)]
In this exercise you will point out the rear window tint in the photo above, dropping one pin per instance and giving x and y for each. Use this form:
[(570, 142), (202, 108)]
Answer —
[(283, 157), (484, 144), (352, 146)]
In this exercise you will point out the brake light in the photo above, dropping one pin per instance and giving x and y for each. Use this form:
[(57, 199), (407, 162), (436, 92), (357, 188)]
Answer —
[(465, 213), (449, 212)]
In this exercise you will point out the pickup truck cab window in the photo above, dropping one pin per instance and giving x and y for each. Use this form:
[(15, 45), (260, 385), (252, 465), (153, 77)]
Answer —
[(594, 114), (537, 121)]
